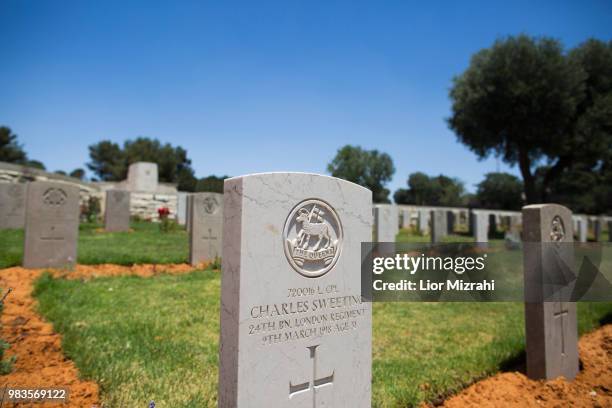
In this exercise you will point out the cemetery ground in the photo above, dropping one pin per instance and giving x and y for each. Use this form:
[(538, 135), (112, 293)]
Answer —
[(156, 337)]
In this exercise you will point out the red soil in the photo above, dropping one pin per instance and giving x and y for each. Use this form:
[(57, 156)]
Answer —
[(40, 361), (591, 388)]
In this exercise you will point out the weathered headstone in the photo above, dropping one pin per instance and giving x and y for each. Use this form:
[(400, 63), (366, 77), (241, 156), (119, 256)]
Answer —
[(117, 211), (52, 225), (480, 226), (423, 221), (294, 329), (550, 326), (142, 176), (385, 222), (12, 205), (206, 227), (439, 228), (181, 208), (405, 218)]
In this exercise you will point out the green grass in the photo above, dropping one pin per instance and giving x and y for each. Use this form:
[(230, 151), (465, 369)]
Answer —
[(157, 338), (145, 244)]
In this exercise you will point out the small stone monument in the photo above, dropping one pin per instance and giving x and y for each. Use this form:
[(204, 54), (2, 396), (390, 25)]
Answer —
[(385, 222), (439, 227), (52, 225), (117, 211), (12, 205), (550, 326), (206, 226)]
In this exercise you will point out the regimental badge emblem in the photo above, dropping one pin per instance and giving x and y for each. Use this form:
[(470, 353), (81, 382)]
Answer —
[(210, 205), (557, 229), (55, 197), (313, 238)]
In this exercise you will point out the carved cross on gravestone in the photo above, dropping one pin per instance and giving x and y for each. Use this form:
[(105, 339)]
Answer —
[(561, 316), (210, 240), (315, 383)]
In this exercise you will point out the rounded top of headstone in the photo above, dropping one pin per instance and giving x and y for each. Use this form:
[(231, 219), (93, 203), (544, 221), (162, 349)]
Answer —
[(298, 173)]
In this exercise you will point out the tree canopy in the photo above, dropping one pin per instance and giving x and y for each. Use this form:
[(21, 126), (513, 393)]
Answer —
[(110, 162), (368, 168), (531, 103), (11, 151), (501, 191), (211, 183), (437, 190)]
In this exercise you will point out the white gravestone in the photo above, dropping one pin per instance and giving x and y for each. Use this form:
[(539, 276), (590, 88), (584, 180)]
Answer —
[(181, 208), (385, 222), (294, 330)]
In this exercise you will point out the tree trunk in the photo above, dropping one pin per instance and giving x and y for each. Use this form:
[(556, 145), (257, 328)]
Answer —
[(528, 179)]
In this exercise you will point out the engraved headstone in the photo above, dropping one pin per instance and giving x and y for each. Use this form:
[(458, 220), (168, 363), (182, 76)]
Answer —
[(480, 226), (12, 205), (294, 329), (550, 326), (117, 211), (206, 226), (385, 222), (52, 225), (439, 228)]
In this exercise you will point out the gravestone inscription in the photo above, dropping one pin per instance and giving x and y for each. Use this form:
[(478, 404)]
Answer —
[(294, 329), (52, 225)]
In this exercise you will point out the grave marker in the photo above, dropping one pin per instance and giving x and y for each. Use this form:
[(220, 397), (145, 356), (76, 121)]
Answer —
[(206, 226), (294, 330), (423, 221), (117, 211), (181, 208), (439, 227), (12, 205), (52, 225), (385, 222), (550, 327), (480, 226)]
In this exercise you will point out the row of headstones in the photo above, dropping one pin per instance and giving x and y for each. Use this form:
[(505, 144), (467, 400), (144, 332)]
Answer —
[(49, 214), (294, 328), (440, 223)]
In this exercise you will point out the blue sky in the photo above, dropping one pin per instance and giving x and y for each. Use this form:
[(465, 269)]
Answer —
[(260, 86)]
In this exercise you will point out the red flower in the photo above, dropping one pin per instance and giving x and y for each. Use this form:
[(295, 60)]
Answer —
[(163, 212)]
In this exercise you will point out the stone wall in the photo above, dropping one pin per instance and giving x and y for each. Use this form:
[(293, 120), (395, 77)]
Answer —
[(143, 205)]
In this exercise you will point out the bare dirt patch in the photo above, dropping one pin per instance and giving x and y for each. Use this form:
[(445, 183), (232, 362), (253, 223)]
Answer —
[(591, 388), (40, 361)]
